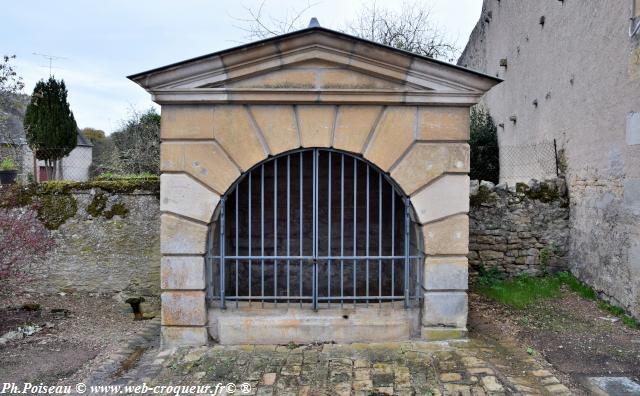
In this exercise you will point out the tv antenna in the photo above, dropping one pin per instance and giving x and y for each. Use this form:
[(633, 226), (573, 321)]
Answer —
[(51, 58)]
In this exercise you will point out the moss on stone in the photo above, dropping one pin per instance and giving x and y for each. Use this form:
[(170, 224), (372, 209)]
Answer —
[(55, 209), (117, 209), (546, 193), (483, 196), (97, 205)]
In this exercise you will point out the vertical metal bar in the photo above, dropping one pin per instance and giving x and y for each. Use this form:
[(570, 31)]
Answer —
[(237, 192), (367, 242), (380, 239), (222, 248), (315, 231), (393, 244), (250, 238), (209, 264), (341, 230), (329, 238), (301, 247), (355, 228), (262, 234), (288, 227), (406, 253), (275, 231)]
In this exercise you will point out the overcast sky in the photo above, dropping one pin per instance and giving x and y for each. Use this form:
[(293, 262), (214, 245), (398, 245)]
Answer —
[(99, 43)]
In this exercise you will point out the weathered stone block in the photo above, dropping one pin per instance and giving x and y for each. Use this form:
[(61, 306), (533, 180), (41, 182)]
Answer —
[(316, 125), (180, 336), (426, 161), (348, 79), (443, 123), (354, 124), (447, 236), (235, 131), (181, 236), (186, 122), (205, 161), (289, 78), (392, 137), (184, 308), (442, 333), (278, 125), (445, 309), (444, 197), (182, 272), (446, 273), (182, 195)]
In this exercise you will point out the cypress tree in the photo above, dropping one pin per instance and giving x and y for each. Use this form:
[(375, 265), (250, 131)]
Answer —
[(485, 152), (50, 127)]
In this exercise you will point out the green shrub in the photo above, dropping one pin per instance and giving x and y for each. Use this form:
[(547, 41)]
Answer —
[(485, 159), (7, 164)]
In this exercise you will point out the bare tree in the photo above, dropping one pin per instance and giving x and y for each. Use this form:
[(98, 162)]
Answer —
[(412, 28), (258, 25), (11, 104)]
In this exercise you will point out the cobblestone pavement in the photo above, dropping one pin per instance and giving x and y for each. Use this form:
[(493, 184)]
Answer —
[(403, 368)]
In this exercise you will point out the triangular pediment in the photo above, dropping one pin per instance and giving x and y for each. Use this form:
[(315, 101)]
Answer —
[(317, 65)]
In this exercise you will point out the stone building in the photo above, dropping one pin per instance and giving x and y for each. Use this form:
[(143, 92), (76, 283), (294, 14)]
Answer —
[(314, 188), (571, 72)]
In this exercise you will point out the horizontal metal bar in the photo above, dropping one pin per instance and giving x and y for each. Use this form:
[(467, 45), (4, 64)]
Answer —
[(294, 298), (320, 257)]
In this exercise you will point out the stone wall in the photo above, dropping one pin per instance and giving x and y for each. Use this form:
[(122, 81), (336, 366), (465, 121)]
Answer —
[(106, 241), (522, 229)]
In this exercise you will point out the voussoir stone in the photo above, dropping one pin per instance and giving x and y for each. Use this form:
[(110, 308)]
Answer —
[(316, 125), (182, 272), (278, 125), (186, 122), (393, 135), (234, 130), (184, 308), (206, 161), (354, 124), (181, 194), (444, 197), (443, 123), (447, 236), (426, 161), (181, 236), (446, 273)]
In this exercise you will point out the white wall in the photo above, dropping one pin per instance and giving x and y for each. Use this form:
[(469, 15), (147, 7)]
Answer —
[(584, 71)]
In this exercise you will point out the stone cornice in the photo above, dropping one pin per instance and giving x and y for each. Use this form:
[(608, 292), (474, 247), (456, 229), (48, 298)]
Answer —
[(218, 78)]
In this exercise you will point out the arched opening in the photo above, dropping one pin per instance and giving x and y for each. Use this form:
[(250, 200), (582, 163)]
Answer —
[(314, 228)]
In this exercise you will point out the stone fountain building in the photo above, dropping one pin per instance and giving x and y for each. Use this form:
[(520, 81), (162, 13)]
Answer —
[(314, 188)]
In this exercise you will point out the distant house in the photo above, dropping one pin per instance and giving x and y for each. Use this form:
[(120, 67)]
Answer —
[(74, 166), (13, 144)]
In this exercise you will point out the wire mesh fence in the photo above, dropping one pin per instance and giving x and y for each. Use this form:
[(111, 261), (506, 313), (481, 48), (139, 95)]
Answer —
[(47, 164), (517, 163)]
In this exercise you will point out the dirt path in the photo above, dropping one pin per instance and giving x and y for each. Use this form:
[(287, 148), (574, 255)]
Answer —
[(85, 330), (571, 333)]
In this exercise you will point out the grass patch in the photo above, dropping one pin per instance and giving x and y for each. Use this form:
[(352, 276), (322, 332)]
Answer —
[(109, 176), (522, 291), (575, 285)]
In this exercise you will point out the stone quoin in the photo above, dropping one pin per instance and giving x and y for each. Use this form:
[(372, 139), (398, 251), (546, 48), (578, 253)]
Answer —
[(229, 114)]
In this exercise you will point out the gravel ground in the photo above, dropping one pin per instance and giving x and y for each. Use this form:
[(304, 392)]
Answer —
[(576, 337), (71, 344)]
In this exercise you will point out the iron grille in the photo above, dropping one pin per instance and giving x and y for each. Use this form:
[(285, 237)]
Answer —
[(316, 228)]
